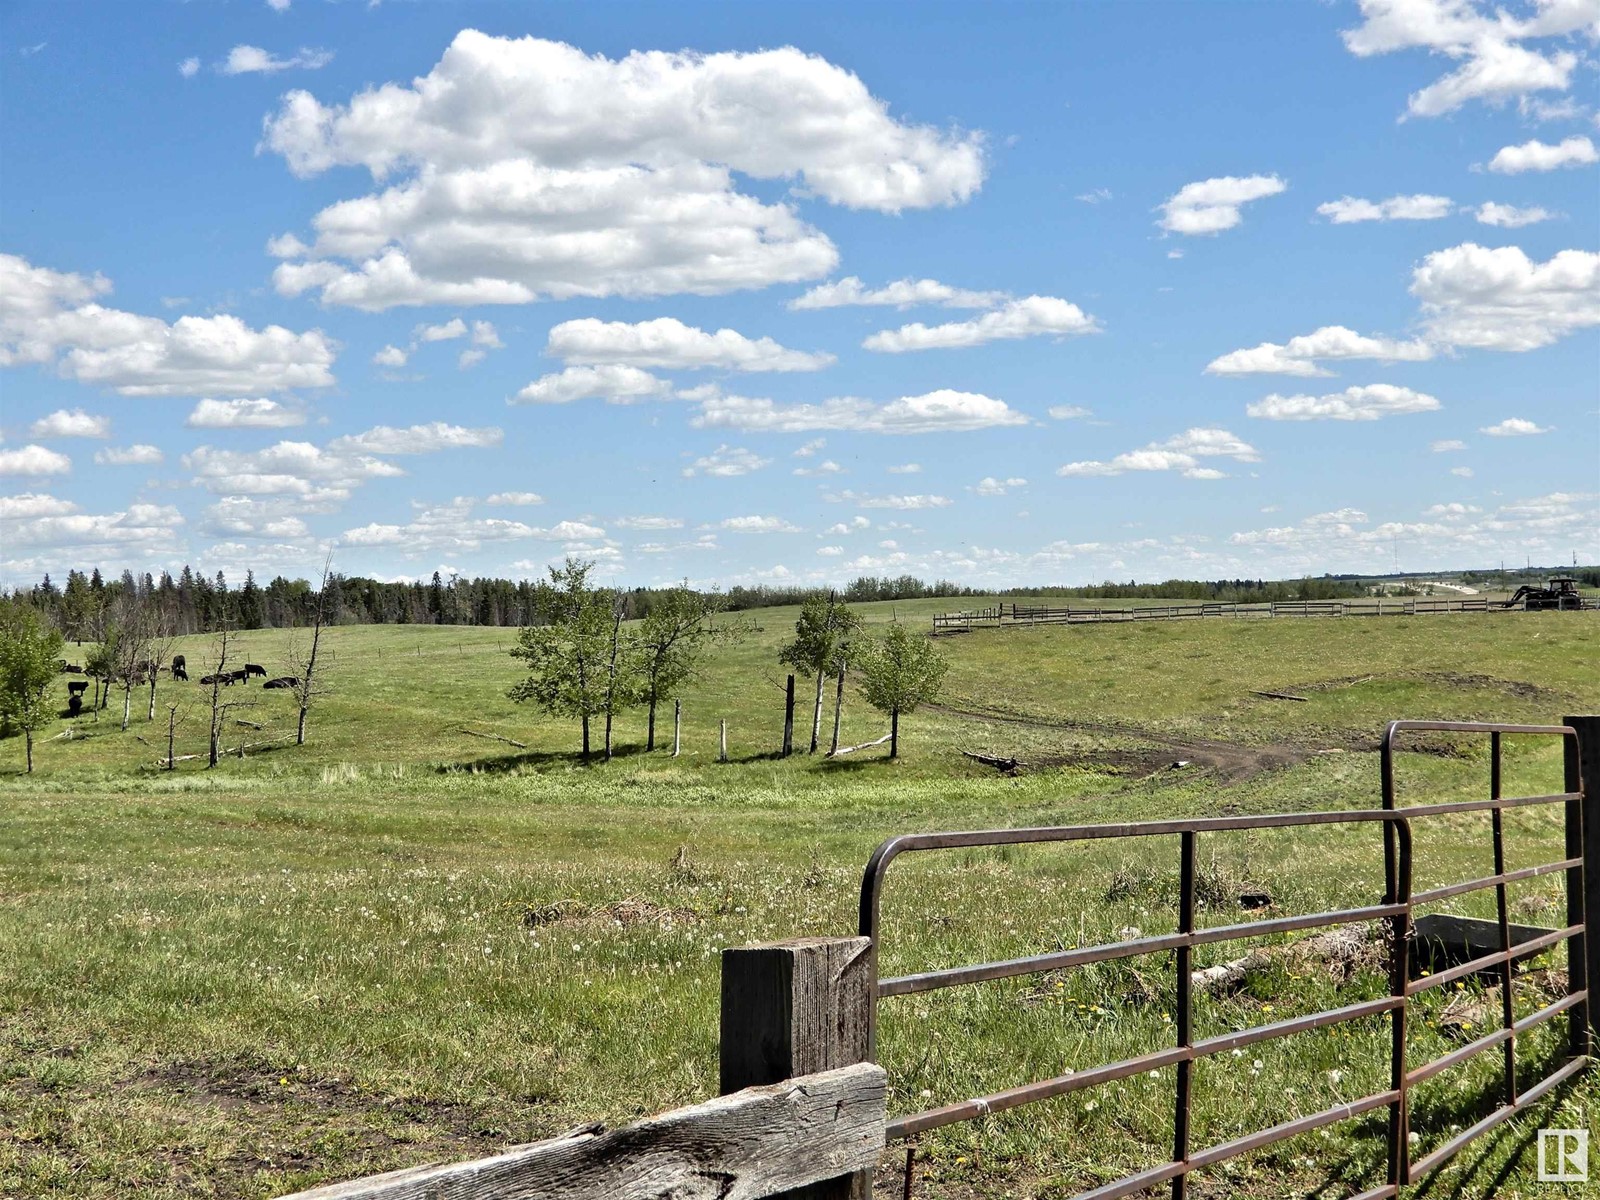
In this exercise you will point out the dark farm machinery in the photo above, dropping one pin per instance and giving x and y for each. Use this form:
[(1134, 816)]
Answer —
[(1559, 593)]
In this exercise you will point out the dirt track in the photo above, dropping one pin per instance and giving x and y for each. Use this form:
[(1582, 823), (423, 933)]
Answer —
[(1228, 761)]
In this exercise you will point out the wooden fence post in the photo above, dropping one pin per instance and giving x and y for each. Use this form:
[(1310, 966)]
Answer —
[(722, 740), (788, 718), (1583, 886), (793, 1008)]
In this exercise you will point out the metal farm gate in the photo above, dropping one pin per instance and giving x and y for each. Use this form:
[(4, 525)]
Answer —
[(1395, 910)]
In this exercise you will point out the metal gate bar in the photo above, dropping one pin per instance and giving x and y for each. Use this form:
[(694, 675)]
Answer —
[(1394, 910), (1399, 901), (1577, 999)]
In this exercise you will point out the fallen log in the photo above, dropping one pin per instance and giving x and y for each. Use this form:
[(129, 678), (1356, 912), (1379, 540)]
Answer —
[(1279, 696), (862, 746), (494, 737), (999, 764)]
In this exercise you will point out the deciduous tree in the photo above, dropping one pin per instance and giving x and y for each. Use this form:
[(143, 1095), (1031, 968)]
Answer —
[(673, 636), (568, 657), (30, 659), (824, 626), (900, 671)]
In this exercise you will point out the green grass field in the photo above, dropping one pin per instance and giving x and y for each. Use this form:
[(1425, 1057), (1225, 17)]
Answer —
[(402, 943)]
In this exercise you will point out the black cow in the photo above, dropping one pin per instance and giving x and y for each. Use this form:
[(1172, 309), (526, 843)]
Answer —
[(240, 675), (283, 681), (178, 672), (74, 704), (253, 669), (179, 663), (223, 677), (70, 668), (77, 687)]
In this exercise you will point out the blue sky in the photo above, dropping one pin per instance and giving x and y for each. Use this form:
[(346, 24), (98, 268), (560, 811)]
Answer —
[(1006, 294)]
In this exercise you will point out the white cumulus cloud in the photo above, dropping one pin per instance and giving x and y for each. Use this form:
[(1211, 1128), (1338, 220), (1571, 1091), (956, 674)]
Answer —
[(758, 525), (140, 455), (990, 486), (1301, 355), (913, 503), (1495, 65), (300, 469), (530, 169), (902, 293), (611, 382), (515, 498), (50, 318), (75, 423), (1508, 216), (417, 439), (258, 413), (33, 460), (1576, 151), (1031, 316), (943, 411), (1502, 300), (1367, 403), (1212, 205), (1348, 210), (1514, 427), (725, 462), (253, 60), (1181, 452), (668, 342)]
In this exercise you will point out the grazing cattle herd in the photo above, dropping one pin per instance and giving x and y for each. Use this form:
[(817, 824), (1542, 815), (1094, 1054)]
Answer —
[(143, 672)]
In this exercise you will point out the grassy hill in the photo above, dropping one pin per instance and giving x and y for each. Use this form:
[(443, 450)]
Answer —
[(401, 943)]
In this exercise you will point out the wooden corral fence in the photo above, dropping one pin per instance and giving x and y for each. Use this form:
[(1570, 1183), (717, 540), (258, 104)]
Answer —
[(804, 1111), (1009, 615)]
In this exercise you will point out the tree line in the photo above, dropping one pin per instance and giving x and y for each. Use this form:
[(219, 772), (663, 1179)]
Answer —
[(190, 602)]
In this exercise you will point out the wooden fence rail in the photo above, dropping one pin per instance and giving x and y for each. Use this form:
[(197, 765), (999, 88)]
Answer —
[(763, 1141), (1013, 615)]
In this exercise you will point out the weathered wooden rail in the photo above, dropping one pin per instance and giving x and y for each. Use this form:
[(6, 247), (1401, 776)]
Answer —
[(764, 1141)]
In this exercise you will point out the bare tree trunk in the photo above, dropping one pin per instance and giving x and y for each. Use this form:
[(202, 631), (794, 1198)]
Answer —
[(28, 736), (816, 717), (172, 724), (611, 673), (677, 727), (894, 733), (127, 701), (216, 698), (650, 729), (152, 715), (585, 737), (838, 709)]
